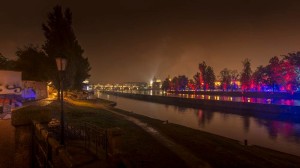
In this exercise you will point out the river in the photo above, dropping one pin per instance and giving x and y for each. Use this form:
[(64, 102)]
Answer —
[(275, 134)]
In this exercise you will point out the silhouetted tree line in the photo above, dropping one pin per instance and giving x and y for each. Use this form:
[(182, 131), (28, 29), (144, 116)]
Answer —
[(6, 64), (38, 63), (280, 74)]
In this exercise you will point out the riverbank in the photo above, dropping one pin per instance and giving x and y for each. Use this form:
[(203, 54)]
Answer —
[(216, 150), (247, 108), (140, 149), (220, 151), (252, 94)]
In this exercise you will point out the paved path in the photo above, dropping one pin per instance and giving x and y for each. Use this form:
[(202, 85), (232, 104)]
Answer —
[(7, 144), (7, 135), (5, 116)]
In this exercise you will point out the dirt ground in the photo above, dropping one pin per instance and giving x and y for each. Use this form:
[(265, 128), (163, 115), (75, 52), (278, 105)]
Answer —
[(7, 145)]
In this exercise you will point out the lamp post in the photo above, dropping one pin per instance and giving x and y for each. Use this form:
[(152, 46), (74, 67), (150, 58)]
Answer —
[(61, 67)]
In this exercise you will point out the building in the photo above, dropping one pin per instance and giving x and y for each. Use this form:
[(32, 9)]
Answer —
[(10, 90), (33, 90), (155, 84), (13, 91)]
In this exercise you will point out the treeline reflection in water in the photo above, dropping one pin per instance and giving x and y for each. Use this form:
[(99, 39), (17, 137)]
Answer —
[(278, 132), (288, 129)]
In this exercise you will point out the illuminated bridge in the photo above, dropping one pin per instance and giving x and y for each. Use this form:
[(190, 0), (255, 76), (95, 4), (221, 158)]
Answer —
[(122, 86)]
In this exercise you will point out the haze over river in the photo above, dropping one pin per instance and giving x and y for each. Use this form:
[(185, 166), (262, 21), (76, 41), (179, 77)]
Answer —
[(282, 135)]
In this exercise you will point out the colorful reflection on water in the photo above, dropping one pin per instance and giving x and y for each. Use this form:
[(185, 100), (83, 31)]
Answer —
[(270, 133), (290, 102)]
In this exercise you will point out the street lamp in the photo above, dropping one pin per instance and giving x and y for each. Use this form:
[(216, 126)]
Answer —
[(61, 67)]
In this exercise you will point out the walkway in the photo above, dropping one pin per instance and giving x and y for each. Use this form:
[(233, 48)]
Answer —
[(7, 144), (5, 116), (7, 136)]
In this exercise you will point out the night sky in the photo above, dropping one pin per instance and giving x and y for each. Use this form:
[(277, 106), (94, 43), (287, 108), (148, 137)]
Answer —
[(135, 40)]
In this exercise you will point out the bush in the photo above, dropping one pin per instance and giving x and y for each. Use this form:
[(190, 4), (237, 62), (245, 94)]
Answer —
[(26, 115)]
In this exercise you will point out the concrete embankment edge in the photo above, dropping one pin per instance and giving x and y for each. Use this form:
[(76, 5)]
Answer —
[(239, 107)]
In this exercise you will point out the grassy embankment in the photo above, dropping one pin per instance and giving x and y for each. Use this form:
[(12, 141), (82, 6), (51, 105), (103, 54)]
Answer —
[(138, 146), (220, 151)]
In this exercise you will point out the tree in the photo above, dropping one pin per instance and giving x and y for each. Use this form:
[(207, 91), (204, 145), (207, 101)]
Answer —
[(294, 58), (197, 80), (61, 42), (182, 82), (33, 63), (225, 78), (191, 84), (291, 66), (207, 76), (234, 75), (210, 78), (260, 77), (175, 83), (289, 75), (284, 74), (246, 75), (3, 60), (6, 64), (274, 73), (202, 68), (166, 85)]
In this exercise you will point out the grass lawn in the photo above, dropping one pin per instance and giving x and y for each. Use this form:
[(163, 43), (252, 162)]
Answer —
[(138, 147)]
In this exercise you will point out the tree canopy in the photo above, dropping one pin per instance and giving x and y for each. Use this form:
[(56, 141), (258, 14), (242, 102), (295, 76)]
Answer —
[(207, 76), (33, 63), (225, 78), (39, 63), (210, 78), (166, 85), (246, 75), (61, 42), (6, 64)]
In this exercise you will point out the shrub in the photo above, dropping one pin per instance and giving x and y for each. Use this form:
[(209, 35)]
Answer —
[(26, 115)]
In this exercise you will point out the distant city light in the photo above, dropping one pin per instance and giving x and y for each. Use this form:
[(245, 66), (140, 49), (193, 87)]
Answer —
[(86, 81)]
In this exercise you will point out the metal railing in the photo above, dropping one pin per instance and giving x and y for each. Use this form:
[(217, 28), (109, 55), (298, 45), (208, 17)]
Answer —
[(94, 138), (46, 148)]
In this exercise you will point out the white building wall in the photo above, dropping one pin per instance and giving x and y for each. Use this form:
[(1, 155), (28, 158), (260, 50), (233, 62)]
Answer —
[(10, 82)]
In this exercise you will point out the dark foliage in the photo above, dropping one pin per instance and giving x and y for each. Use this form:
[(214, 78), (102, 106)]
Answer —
[(246, 75), (6, 64), (61, 42), (33, 63)]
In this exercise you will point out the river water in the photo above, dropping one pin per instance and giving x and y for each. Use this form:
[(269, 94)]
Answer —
[(272, 133)]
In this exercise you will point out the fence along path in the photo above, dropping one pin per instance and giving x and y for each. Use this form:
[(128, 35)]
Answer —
[(87, 145)]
